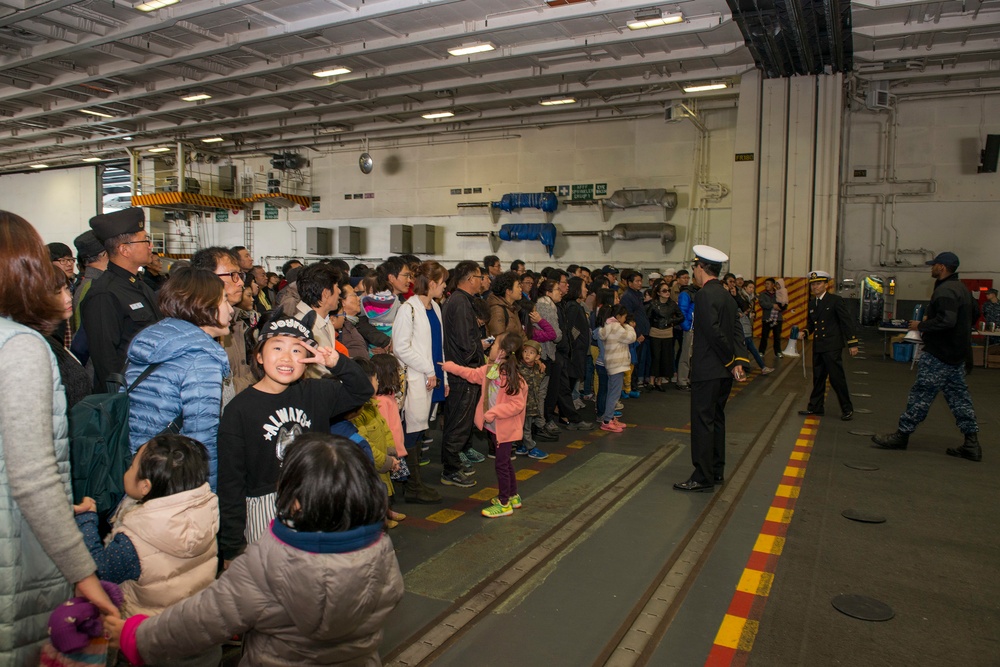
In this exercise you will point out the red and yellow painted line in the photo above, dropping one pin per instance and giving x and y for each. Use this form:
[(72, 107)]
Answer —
[(734, 640)]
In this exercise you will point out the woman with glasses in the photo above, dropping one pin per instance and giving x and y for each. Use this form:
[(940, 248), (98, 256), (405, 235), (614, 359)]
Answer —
[(183, 393), (664, 315)]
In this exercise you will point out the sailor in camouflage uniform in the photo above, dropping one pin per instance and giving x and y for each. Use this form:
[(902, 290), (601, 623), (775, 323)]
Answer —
[(947, 337)]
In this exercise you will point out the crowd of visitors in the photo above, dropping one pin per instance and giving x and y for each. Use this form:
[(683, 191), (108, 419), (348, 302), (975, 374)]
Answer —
[(278, 416)]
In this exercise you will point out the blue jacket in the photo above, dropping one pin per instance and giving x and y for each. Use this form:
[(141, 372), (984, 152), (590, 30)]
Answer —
[(632, 300), (685, 301), (188, 384)]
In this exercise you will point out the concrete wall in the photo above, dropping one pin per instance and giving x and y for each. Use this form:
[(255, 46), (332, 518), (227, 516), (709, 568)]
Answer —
[(937, 141), (412, 185), (58, 203)]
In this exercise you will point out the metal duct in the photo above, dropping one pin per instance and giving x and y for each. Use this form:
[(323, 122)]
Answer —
[(631, 231), (622, 199), (797, 37)]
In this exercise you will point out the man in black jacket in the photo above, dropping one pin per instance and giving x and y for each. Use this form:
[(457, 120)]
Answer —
[(832, 328), (717, 349), (463, 346), (118, 305), (947, 337)]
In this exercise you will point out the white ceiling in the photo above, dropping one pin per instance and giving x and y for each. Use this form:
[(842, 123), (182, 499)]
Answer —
[(256, 58)]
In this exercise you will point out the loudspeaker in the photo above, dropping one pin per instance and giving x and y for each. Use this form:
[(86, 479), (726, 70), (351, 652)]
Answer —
[(990, 155)]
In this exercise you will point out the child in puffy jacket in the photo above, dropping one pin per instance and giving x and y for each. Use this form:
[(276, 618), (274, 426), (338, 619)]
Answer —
[(316, 589), (162, 547), (500, 413), (615, 336)]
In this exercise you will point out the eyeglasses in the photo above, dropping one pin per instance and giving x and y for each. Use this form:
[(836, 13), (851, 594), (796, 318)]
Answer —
[(235, 275), (146, 241), (67, 260), (406, 275)]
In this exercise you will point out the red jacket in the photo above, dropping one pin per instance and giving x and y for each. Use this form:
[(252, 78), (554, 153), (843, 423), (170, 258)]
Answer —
[(508, 413)]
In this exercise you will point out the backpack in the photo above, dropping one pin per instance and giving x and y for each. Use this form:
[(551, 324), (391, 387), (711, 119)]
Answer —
[(99, 443)]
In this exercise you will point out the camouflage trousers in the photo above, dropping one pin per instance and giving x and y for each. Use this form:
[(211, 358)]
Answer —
[(933, 375)]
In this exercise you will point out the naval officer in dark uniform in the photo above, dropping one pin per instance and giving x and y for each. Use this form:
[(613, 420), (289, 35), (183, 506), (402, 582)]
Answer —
[(716, 352), (119, 304), (832, 328)]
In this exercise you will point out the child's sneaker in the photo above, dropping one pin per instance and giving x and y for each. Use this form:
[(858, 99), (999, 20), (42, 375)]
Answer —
[(619, 406), (618, 413), (521, 450), (497, 511), (552, 428), (473, 455), (457, 479), (536, 453), (625, 395), (515, 501), (466, 463), (612, 427), (622, 425), (633, 394)]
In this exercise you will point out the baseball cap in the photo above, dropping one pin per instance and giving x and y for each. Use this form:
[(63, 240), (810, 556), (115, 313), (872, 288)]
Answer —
[(287, 326), (949, 259)]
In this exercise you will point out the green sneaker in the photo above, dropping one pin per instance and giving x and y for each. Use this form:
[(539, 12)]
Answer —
[(515, 501), (495, 511)]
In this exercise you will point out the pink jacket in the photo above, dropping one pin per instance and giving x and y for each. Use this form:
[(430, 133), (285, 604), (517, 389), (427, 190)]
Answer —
[(508, 413), (543, 332)]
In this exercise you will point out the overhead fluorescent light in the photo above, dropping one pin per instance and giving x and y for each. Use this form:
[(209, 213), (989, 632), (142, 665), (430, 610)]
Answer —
[(653, 19), (196, 97), (126, 138), (39, 166), (212, 140), (333, 129), (469, 49), (333, 71), (700, 88), (91, 112), (153, 5), (159, 149), (91, 159), (556, 101), (438, 114)]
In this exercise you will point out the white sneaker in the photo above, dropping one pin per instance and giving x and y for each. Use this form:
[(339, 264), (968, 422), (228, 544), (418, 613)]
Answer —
[(578, 404)]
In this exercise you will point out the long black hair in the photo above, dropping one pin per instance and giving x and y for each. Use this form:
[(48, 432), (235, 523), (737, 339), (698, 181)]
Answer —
[(607, 312), (327, 485)]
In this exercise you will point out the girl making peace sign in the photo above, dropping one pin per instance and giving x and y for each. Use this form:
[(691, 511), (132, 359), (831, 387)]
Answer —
[(258, 425)]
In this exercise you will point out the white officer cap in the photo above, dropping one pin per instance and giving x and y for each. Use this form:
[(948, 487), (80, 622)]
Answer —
[(819, 277), (707, 253), (670, 271)]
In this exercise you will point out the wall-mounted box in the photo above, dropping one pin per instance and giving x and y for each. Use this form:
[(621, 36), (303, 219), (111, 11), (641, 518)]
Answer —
[(349, 241), (400, 239), (424, 237), (319, 241), (227, 178)]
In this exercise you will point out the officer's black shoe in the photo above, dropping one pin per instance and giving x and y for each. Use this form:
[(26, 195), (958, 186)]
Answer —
[(692, 485), (897, 440), (970, 450), (810, 411), (847, 416)]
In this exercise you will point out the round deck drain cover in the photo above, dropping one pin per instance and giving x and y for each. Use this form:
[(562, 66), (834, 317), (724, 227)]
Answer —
[(863, 608), (861, 466), (862, 395), (867, 433), (862, 516), (865, 411)]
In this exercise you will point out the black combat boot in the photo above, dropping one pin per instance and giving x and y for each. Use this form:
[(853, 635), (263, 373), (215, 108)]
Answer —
[(897, 440), (969, 450)]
